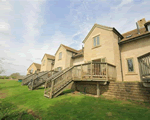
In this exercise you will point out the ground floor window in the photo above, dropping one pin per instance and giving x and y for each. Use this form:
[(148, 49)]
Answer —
[(59, 68), (130, 65)]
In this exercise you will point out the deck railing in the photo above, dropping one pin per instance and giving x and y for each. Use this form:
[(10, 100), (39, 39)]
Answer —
[(95, 70)]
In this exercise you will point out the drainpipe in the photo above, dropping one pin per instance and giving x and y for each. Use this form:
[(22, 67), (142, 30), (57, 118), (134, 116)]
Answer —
[(121, 63)]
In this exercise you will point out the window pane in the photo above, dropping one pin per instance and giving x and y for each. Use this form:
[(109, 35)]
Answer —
[(130, 65), (97, 40), (94, 41)]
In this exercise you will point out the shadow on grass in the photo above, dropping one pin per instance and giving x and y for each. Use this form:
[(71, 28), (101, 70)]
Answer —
[(8, 111)]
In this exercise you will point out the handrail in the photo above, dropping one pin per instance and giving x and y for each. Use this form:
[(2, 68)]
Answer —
[(62, 73)]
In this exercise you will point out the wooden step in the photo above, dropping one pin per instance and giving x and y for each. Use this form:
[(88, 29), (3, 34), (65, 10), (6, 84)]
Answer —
[(45, 95)]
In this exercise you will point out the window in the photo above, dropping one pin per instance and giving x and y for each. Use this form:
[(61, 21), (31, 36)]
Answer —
[(59, 68), (130, 65), (31, 71), (148, 27), (96, 41), (43, 62), (60, 55)]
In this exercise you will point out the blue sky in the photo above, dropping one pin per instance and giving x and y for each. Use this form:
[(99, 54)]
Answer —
[(30, 28)]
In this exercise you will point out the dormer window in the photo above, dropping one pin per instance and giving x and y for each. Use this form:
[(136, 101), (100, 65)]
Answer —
[(60, 55), (147, 26), (96, 41)]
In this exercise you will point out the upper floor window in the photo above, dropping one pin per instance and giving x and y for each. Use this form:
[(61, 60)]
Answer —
[(60, 55), (130, 65), (31, 71), (96, 41)]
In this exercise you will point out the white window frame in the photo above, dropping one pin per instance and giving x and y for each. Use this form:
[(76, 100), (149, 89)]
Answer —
[(132, 64), (96, 41), (60, 55)]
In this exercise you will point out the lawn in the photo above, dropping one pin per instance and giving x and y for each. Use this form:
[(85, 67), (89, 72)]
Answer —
[(19, 103)]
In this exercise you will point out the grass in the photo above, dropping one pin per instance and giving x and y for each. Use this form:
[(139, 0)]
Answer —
[(19, 103)]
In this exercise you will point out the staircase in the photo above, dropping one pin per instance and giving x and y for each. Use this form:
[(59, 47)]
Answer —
[(40, 79), (27, 79), (55, 85)]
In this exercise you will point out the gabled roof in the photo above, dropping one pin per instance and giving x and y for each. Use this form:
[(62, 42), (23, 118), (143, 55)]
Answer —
[(38, 66), (79, 54), (70, 49), (133, 34), (67, 48), (102, 27), (49, 56)]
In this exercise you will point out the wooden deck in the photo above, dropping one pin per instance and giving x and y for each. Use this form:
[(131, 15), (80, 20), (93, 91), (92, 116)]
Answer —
[(100, 72)]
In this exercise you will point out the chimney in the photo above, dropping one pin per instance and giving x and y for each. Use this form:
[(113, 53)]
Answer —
[(141, 23), (138, 31)]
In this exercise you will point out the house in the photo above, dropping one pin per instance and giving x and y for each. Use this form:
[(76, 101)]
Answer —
[(133, 46), (47, 62), (110, 63), (63, 57), (106, 44), (34, 67)]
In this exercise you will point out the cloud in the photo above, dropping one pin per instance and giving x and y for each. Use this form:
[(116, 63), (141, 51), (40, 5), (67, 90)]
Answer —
[(28, 31)]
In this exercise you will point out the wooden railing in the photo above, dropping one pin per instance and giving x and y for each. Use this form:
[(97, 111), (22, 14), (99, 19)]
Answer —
[(144, 63), (95, 70), (28, 78), (60, 81), (41, 79)]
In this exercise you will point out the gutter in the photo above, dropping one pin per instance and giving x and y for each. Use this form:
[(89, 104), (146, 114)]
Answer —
[(121, 63), (135, 38)]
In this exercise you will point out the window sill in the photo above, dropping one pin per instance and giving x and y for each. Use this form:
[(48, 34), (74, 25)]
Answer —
[(96, 46), (131, 73), (59, 59)]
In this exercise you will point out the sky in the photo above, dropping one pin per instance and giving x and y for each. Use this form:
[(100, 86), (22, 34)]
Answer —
[(31, 28)]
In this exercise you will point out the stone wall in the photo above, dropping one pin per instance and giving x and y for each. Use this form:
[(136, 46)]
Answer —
[(123, 90)]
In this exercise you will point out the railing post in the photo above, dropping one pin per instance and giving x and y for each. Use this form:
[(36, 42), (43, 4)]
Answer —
[(51, 92), (91, 71), (106, 71), (81, 71)]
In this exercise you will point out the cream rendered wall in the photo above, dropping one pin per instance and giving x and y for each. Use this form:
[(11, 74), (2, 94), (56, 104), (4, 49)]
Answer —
[(105, 49), (69, 61), (78, 61), (108, 48), (34, 69), (43, 67), (133, 50), (117, 57), (49, 65), (60, 63)]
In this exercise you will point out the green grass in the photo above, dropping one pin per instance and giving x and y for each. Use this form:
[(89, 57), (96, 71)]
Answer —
[(17, 100)]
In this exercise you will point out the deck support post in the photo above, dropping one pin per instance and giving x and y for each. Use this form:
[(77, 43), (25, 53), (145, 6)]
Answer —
[(91, 71), (98, 89), (106, 71), (51, 92), (81, 71)]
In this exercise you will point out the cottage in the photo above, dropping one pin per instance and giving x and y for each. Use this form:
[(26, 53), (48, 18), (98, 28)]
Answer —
[(47, 62), (34, 67)]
